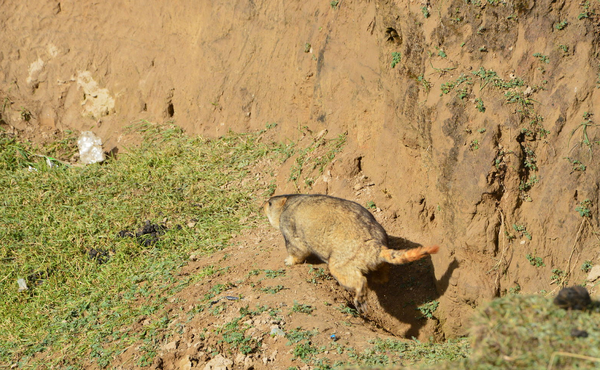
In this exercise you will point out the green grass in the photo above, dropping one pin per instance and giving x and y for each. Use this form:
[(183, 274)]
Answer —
[(80, 310), (523, 332)]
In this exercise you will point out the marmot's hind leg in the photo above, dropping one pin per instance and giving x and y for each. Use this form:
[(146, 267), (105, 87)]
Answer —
[(381, 275), (352, 278)]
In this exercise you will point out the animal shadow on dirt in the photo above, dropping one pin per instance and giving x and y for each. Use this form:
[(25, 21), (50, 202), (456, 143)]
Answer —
[(411, 286)]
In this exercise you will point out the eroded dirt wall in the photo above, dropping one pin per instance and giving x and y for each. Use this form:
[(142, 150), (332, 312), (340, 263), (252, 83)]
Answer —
[(481, 138)]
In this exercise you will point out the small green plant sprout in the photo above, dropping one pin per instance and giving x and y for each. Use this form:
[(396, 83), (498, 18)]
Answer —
[(510, 237), (515, 289), (254, 272), (334, 4), (558, 277), (426, 84), (348, 310), (307, 47), (271, 274), (535, 261), (474, 145), (542, 58), (482, 130), (584, 208), (586, 266), (586, 10), (305, 351), (318, 274), (521, 229), (371, 205), (525, 186), (577, 165), (451, 85), (302, 308), (272, 289), (425, 11), (479, 105), (298, 335), (530, 162), (587, 123), (564, 48), (396, 57), (441, 52), (25, 114), (427, 309), (561, 25)]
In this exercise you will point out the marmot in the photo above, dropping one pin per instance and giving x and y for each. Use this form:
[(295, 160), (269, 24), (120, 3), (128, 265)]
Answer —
[(340, 232)]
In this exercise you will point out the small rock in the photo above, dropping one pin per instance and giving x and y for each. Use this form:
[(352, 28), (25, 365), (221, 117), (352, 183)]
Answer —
[(240, 358), (594, 274), (576, 333), (47, 117), (185, 363), (270, 358), (219, 363), (171, 346), (321, 134), (22, 285), (576, 298), (276, 331), (157, 363)]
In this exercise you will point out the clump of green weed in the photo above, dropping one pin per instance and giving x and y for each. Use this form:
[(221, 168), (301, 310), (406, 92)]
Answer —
[(523, 230), (427, 309), (315, 157), (302, 308), (586, 266), (529, 331), (396, 57), (271, 274), (348, 310), (233, 333), (535, 261), (272, 289), (385, 352), (318, 273), (584, 208)]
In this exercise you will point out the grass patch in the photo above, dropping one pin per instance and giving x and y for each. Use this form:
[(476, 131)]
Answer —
[(80, 308)]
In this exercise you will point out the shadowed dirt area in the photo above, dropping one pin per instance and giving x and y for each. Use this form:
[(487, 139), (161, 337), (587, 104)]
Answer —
[(469, 124)]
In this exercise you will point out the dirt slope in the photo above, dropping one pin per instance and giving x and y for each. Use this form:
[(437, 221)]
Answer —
[(250, 275), (481, 137)]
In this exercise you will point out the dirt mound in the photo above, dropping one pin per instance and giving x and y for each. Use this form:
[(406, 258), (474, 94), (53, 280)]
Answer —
[(248, 303), (470, 122)]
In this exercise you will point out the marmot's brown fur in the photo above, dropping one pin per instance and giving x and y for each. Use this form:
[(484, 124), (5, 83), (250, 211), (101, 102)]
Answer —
[(340, 232)]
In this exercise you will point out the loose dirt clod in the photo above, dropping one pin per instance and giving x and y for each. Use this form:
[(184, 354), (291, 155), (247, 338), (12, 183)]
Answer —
[(575, 298)]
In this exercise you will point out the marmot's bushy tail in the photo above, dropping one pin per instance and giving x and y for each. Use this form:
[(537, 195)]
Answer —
[(404, 256)]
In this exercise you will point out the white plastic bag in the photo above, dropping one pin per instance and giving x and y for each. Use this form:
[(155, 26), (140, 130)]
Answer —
[(90, 148)]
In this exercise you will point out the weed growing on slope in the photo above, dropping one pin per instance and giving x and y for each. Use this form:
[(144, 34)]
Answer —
[(315, 156)]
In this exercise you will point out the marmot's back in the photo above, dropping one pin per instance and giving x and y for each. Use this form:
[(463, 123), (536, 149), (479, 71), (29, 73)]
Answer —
[(328, 225)]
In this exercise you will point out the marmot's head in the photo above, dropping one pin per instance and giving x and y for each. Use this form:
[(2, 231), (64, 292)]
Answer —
[(273, 208)]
